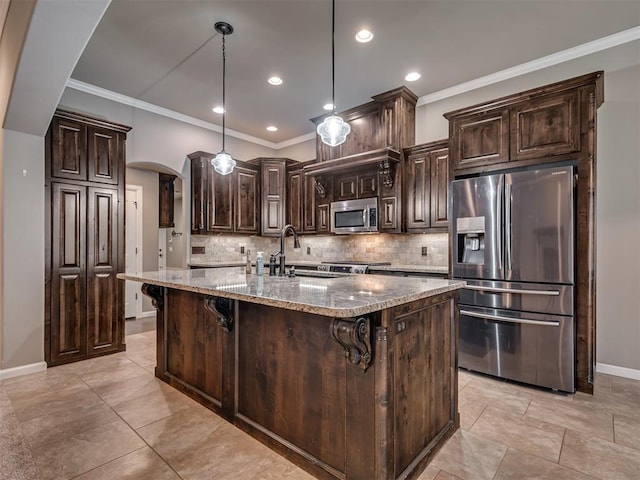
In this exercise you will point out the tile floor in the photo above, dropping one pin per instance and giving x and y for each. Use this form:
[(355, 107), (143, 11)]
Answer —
[(109, 418)]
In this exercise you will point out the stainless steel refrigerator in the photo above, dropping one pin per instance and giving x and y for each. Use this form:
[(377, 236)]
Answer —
[(513, 242)]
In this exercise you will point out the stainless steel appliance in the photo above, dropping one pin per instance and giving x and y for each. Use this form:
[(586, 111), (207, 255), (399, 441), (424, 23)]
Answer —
[(513, 242), (354, 216)]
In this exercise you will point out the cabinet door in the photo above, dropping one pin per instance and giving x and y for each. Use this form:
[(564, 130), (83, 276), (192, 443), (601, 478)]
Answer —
[(480, 140), (104, 302), (346, 187), (388, 215), (273, 197), (199, 176), (102, 155), (418, 191), (69, 149), (367, 185), (309, 204), (546, 127), (247, 201), (294, 196), (324, 220), (220, 201), (166, 200), (439, 187), (68, 273)]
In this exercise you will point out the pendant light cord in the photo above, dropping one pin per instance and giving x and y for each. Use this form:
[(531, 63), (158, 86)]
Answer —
[(224, 76), (333, 54)]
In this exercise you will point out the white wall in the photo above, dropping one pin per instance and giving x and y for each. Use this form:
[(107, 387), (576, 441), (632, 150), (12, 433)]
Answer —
[(23, 253), (301, 151), (618, 184)]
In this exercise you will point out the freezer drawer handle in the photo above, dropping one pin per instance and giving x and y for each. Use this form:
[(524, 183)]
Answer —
[(510, 320), (550, 293)]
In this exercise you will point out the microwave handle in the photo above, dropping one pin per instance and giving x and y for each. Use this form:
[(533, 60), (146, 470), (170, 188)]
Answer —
[(365, 217)]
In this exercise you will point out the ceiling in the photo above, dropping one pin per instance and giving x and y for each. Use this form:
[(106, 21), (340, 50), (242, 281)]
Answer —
[(166, 52)]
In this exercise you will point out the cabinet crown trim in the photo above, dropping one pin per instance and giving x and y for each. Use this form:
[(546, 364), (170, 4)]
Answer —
[(350, 162), (92, 121)]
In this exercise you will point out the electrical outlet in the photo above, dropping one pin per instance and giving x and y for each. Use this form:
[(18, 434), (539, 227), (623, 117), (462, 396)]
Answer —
[(308, 250), (424, 251), (242, 249)]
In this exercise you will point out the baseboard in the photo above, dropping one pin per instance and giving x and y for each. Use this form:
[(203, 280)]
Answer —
[(150, 313), (618, 371), (23, 370)]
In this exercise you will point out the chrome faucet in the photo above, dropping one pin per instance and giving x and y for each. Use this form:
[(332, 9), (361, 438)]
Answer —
[(296, 244)]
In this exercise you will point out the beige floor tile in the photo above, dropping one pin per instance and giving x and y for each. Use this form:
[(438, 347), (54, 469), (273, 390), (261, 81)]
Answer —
[(64, 423), (442, 475), (522, 466), (627, 430), (122, 372), (37, 383), (85, 451), (183, 431), (153, 406), (470, 457), (464, 378), (53, 402), (142, 464), (487, 395), (98, 364), (122, 390), (470, 409), (524, 433), (429, 473), (599, 458), (574, 416)]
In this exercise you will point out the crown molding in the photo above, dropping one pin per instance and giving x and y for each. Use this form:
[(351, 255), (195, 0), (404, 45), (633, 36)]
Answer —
[(165, 112), (562, 56)]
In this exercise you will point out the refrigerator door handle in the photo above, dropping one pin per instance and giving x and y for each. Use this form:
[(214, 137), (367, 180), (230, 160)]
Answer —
[(507, 222), (499, 202), (526, 321), (550, 293)]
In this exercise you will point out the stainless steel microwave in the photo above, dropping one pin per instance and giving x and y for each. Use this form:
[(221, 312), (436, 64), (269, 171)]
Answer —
[(354, 216)]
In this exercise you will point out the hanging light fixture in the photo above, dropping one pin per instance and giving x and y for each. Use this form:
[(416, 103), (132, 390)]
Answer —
[(223, 163), (333, 130)]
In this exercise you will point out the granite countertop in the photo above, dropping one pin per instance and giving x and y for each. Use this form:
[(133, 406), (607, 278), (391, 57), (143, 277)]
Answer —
[(343, 296)]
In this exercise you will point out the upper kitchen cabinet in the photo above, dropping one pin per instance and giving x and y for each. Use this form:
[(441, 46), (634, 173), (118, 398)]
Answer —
[(86, 151), (166, 189), (387, 121), (536, 126), (84, 237), (426, 186), (223, 203)]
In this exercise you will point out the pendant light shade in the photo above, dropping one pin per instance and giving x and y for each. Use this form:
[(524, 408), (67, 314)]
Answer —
[(223, 163), (333, 130)]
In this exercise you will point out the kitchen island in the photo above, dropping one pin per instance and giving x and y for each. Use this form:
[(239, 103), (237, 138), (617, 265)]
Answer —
[(352, 377)]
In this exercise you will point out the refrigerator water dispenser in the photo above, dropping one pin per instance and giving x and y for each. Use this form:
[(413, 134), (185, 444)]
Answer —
[(470, 240)]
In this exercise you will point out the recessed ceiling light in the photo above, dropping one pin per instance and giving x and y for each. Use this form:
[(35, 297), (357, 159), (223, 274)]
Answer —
[(218, 109), (272, 128), (328, 106), (412, 76), (275, 80), (364, 36)]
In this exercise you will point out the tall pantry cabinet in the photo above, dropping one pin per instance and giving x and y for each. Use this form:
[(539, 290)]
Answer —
[(84, 237)]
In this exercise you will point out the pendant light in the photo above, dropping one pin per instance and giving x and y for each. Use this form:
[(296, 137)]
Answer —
[(223, 163), (333, 130)]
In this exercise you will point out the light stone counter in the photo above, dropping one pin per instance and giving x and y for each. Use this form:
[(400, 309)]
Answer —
[(344, 296)]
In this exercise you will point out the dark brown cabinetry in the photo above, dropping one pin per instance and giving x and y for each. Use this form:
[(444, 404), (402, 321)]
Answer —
[(166, 185), (223, 203), (480, 139), (348, 187), (84, 304), (426, 186), (274, 196)]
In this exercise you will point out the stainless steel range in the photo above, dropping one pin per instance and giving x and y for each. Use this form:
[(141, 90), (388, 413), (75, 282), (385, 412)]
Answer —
[(349, 266)]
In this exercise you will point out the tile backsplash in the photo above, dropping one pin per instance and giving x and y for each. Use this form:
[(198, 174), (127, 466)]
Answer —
[(400, 249)]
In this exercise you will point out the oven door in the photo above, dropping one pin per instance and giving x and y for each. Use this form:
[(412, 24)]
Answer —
[(527, 347)]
